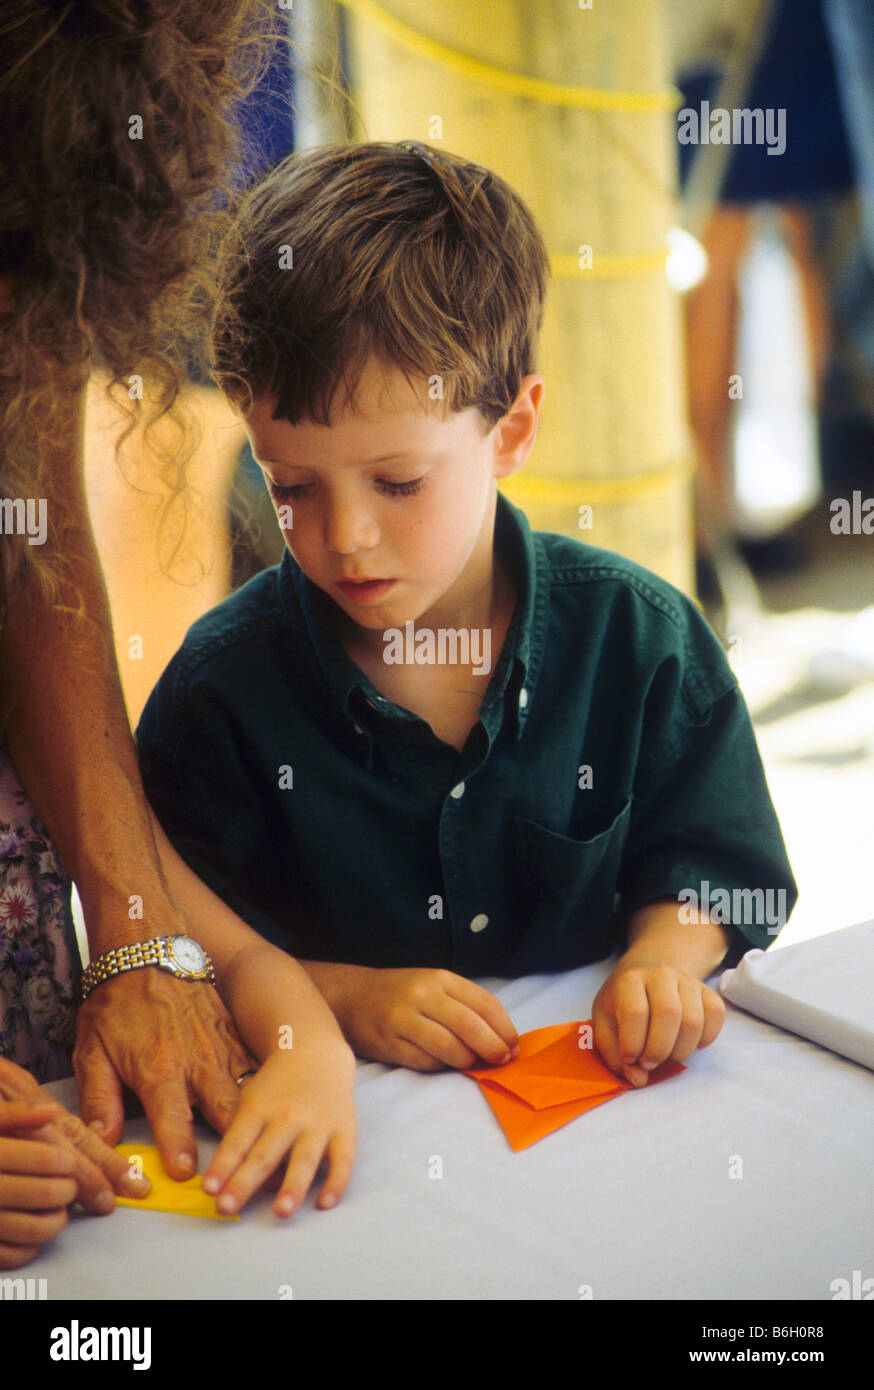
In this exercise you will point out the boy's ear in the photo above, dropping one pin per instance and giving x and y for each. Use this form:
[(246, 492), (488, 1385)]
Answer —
[(517, 430)]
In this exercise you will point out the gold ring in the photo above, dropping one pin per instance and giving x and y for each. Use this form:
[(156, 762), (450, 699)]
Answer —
[(238, 1080)]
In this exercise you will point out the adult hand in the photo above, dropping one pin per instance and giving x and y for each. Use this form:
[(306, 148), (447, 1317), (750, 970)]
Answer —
[(96, 1169), (171, 1041)]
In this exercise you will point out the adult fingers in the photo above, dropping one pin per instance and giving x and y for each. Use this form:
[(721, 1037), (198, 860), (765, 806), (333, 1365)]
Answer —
[(215, 1092), (169, 1113), (100, 1102), (97, 1157)]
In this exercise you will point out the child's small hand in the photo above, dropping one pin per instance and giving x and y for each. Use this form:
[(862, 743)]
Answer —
[(298, 1105), (647, 1014), (425, 1019), (37, 1182), (98, 1170)]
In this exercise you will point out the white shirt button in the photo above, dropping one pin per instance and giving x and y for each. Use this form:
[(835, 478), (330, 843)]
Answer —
[(457, 791), (479, 922), (523, 698)]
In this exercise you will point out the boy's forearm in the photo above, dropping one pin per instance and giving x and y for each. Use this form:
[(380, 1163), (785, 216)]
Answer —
[(265, 990), (276, 1005), (656, 936), (335, 982)]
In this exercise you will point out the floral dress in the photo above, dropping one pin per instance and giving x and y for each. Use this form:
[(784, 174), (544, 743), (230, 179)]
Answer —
[(39, 958)]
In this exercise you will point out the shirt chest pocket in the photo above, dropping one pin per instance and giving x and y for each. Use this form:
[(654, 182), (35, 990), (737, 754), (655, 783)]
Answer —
[(567, 888)]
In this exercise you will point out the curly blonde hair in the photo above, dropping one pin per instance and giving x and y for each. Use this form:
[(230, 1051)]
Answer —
[(119, 142)]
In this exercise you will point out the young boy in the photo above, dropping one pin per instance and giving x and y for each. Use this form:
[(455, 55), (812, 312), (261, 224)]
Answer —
[(432, 745)]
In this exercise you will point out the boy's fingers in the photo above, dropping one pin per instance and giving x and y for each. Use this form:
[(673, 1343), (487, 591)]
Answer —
[(692, 1021), (305, 1159), (714, 1017), (631, 1008), (606, 1039), (255, 1169), (230, 1153), (490, 1009), (341, 1160), (472, 1030), (665, 1018), (606, 1031), (274, 1182), (440, 1042), (406, 1054), (99, 1091)]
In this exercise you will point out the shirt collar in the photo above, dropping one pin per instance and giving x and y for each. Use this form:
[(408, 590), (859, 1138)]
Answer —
[(511, 688)]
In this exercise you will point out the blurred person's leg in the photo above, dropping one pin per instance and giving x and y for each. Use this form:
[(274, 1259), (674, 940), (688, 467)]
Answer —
[(711, 332), (851, 29), (797, 228), (850, 25)]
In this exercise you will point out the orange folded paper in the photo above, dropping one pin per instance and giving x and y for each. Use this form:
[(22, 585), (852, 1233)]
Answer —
[(552, 1081)]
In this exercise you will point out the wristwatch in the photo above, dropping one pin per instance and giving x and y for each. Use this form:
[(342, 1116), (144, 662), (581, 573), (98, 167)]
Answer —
[(181, 955)]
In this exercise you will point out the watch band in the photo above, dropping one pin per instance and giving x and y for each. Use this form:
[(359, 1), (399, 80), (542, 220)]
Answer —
[(135, 957)]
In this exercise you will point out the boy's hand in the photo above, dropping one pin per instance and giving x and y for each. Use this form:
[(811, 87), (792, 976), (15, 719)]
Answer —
[(97, 1169), (647, 1014), (424, 1019), (298, 1105)]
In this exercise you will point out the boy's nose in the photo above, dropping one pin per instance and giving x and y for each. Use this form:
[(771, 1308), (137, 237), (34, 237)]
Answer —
[(349, 528)]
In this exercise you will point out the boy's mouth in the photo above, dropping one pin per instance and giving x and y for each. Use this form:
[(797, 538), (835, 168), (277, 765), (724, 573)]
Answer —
[(365, 590)]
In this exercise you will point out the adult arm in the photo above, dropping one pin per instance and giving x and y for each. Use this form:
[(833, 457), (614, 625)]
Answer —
[(173, 1042)]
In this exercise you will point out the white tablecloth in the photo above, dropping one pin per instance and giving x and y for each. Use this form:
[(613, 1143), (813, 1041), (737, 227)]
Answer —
[(633, 1199)]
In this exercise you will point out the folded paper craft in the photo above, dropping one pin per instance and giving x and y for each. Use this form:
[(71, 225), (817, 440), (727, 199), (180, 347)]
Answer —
[(553, 1080), (184, 1198)]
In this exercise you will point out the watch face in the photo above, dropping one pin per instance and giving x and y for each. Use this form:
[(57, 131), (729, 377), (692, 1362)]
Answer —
[(187, 954)]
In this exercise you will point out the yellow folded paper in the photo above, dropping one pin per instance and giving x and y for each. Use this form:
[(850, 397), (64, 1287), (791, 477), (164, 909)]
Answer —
[(186, 1198)]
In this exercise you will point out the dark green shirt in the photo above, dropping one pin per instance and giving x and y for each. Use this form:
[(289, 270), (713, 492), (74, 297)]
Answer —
[(613, 763)]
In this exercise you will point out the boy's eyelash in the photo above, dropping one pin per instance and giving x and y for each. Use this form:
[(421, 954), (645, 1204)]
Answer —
[(393, 489), (402, 489)]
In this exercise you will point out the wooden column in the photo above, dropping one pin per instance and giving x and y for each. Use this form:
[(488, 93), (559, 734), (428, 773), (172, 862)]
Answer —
[(590, 146)]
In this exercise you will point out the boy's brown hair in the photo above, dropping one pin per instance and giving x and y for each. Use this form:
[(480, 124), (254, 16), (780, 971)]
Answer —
[(400, 252)]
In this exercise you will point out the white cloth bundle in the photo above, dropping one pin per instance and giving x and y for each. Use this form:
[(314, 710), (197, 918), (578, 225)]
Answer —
[(822, 989)]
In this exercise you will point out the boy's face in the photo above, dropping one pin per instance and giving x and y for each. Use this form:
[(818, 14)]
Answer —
[(392, 506)]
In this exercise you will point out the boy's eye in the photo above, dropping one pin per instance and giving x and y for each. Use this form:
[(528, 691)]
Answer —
[(400, 489), (291, 492)]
